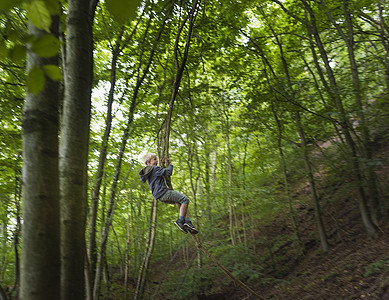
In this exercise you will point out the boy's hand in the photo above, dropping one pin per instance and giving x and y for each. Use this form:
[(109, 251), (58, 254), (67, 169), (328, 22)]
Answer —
[(165, 161)]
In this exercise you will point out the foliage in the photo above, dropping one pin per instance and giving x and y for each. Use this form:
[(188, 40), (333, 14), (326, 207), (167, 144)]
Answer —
[(237, 151)]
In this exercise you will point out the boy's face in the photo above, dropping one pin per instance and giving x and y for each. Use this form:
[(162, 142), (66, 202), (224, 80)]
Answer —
[(153, 161)]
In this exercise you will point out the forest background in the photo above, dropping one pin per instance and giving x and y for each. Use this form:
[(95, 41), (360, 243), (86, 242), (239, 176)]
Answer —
[(274, 114)]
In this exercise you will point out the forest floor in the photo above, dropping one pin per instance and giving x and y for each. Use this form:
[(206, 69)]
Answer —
[(356, 268)]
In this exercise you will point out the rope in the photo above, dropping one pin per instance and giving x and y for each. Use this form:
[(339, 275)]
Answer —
[(209, 255)]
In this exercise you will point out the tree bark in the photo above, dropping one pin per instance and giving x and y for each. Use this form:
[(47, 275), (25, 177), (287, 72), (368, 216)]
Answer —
[(74, 147), (40, 257)]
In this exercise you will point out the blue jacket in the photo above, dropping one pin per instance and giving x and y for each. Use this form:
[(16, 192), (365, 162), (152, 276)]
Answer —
[(154, 176)]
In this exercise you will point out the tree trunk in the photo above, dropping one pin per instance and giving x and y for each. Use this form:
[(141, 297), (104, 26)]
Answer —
[(92, 247), (334, 94), (74, 147), (180, 66), (140, 286), (300, 130), (113, 199), (285, 174), (312, 184), (17, 195), (125, 137), (40, 257), (348, 38), (128, 242), (3, 294)]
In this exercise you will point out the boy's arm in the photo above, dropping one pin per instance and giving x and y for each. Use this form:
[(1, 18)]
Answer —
[(164, 172)]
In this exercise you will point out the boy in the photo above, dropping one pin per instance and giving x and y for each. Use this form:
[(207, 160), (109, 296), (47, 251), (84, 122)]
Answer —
[(155, 177)]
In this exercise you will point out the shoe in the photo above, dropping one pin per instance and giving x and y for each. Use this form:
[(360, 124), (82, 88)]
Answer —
[(180, 225), (189, 227)]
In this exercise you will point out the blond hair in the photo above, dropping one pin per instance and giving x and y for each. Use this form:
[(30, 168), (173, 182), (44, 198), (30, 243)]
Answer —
[(147, 157)]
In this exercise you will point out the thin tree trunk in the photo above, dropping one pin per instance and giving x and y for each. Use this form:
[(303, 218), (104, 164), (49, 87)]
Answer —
[(40, 268), (17, 195), (231, 206), (300, 130), (213, 170), (194, 183), (92, 247), (113, 199), (312, 184), (128, 243), (334, 94), (125, 137), (3, 294), (148, 252), (279, 135), (348, 38), (180, 66), (285, 174)]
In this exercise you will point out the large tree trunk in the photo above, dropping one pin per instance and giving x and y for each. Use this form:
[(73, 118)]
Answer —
[(40, 258), (74, 147)]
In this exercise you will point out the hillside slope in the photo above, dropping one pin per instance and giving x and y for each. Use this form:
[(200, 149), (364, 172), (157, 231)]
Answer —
[(356, 266)]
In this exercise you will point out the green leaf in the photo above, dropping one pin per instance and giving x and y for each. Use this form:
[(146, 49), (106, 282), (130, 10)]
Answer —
[(35, 80), (53, 71), (18, 53), (3, 49), (123, 10), (8, 4), (46, 46), (53, 7), (39, 14)]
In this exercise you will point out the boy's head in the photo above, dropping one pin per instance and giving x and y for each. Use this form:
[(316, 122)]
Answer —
[(150, 159)]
